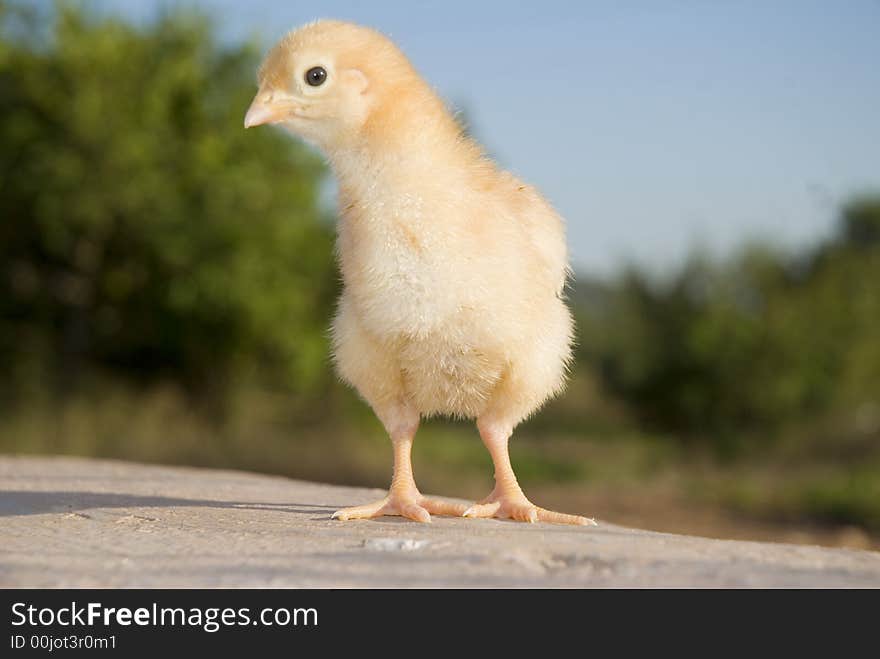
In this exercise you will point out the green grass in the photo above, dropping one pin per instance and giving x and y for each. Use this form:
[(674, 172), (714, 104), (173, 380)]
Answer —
[(346, 445)]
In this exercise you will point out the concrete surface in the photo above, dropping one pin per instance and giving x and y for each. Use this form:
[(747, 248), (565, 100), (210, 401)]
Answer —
[(72, 522)]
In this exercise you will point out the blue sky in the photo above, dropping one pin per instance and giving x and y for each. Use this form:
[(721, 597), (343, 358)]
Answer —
[(653, 126)]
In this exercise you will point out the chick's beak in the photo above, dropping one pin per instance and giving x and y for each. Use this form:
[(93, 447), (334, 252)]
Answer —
[(265, 110)]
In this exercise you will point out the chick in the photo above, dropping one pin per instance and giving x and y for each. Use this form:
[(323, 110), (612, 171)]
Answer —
[(453, 270)]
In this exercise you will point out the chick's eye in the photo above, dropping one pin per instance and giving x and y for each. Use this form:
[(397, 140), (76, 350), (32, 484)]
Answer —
[(316, 76)]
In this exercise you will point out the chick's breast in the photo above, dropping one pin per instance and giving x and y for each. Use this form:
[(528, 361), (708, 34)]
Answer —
[(459, 288)]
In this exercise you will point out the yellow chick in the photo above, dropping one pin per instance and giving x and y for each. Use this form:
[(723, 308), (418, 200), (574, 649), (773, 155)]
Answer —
[(453, 270)]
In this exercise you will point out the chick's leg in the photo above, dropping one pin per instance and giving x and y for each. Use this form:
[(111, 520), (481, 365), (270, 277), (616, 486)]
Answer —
[(507, 500), (403, 496)]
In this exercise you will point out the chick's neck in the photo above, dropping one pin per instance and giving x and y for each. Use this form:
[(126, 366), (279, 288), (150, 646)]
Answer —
[(412, 137)]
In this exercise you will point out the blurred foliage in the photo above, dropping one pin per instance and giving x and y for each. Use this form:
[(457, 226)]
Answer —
[(755, 343), (143, 230), (153, 254)]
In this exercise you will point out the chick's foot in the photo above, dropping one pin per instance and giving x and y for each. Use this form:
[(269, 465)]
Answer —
[(411, 505), (514, 505)]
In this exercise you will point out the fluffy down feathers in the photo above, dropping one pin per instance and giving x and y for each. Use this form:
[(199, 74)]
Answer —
[(453, 270)]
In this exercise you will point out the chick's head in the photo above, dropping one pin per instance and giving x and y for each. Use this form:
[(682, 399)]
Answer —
[(323, 81)]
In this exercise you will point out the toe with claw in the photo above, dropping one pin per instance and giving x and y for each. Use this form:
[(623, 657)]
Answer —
[(514, 505), (411, 505)]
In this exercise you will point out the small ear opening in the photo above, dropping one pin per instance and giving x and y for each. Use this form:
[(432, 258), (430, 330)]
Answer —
[(357, 79)]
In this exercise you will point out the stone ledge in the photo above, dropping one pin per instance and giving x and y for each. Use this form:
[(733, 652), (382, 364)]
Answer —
[(71, 522)]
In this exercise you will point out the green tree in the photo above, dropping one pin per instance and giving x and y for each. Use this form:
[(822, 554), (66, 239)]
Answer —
[(861, 222), (763, 341), (143, 231)]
